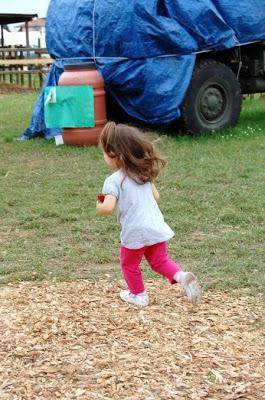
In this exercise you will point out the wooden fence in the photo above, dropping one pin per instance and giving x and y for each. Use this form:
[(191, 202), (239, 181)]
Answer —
[(16, 66)]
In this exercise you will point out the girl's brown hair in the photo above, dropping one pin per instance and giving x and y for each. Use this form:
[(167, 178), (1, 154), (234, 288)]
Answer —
[(135, 155)]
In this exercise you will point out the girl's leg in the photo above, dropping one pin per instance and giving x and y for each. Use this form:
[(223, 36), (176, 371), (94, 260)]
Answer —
[(130, 260), (160, 262)]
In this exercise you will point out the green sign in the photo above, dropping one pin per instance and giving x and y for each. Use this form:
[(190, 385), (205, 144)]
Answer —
[(69, 106)]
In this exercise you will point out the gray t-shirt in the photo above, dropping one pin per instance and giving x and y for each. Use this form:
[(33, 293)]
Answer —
[(142, 223)]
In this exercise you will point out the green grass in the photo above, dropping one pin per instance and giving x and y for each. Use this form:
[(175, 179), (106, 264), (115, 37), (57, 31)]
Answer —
[(212, 195)]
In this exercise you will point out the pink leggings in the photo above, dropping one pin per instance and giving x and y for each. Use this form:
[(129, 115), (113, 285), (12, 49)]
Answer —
[(157, 258)]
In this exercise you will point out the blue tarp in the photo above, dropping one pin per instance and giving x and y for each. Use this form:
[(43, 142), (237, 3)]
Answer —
[(145, 50)]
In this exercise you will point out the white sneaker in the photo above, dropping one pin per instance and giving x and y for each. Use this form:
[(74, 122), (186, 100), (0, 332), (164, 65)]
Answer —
[(140, 299), (192, 289)]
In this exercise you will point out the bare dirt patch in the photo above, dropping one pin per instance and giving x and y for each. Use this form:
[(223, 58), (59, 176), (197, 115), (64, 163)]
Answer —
[(13, 89), (79, 341)]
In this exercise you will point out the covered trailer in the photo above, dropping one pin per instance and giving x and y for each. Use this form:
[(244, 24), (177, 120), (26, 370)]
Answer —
[(162, 60)]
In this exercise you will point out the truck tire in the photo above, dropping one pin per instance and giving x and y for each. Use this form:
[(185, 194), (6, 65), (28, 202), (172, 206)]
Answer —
[(213, 98)]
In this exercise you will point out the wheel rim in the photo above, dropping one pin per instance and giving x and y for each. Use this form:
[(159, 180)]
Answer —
[(213, 104)]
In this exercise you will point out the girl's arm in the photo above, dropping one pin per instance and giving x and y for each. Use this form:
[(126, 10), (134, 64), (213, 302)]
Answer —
[(155, 193), (107, 206)]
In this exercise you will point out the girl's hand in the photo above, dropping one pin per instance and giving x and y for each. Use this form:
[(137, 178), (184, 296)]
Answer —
[(107, 206)]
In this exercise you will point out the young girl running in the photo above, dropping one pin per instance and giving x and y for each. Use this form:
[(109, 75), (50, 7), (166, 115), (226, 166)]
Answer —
[(144, 233)]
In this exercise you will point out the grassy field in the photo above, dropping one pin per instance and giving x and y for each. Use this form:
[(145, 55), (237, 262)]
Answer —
[(212, 195)]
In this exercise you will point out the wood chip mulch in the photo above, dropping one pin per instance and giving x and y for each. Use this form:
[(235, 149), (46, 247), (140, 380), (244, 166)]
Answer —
[(77, 340)]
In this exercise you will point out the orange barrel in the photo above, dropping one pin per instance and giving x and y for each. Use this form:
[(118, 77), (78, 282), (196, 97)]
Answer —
[(85, 74)]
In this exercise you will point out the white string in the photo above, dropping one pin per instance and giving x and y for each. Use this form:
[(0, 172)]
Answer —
[(145, 58), (93, 32)]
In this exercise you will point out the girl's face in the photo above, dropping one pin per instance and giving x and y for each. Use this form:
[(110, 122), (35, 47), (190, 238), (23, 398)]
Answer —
[(110, 161)]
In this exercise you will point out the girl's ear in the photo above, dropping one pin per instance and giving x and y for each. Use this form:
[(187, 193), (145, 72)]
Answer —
[(119, 160)]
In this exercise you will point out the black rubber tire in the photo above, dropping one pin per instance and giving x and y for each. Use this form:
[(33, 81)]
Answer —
[(213, 98)]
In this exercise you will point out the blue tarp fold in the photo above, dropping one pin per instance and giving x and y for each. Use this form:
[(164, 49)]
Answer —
[(144, 50)]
